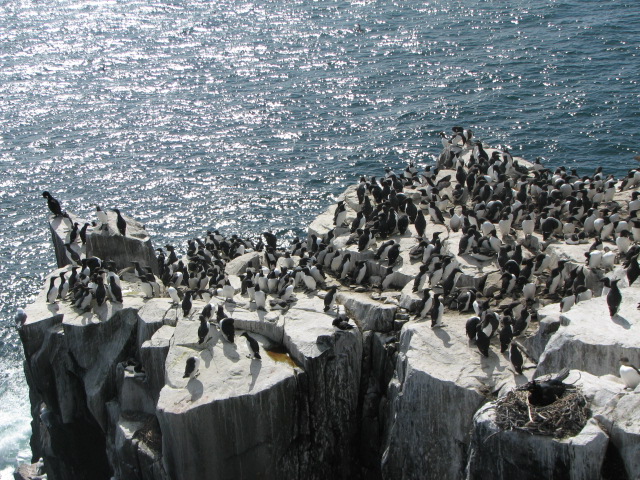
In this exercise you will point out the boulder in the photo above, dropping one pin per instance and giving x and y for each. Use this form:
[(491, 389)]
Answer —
[(624, 428), (108, 244), (60, 228), (153, 354), (504, 454), (239, 265), (590, 340), (279, 416), (515, 454), (439, 383), (369, 314)]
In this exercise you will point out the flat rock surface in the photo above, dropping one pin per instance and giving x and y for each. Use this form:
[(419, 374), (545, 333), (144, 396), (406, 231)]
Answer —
[(590, 340), (225, 370)]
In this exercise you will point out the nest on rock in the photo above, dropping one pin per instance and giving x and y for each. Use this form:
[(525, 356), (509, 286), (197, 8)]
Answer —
[(150, 434), (564, 418)]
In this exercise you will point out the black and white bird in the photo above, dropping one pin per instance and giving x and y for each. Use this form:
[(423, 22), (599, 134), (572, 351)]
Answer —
[(342, 321), (116, 291), (260, 298), (52, 292), (629, 373), (187, 304), (253, 346), (436, 311), (121, 223), (516, 358), (614, 298), (329, 298), (203, 329), (192, 368), (471, 327), (173, 294), (482, 342), (228, 329), (101, 291)]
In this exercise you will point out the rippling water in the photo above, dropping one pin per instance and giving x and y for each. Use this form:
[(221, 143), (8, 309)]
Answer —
[(246, 115)]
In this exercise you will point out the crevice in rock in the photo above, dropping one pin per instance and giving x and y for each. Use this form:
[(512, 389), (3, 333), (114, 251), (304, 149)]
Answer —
[(613, 465)]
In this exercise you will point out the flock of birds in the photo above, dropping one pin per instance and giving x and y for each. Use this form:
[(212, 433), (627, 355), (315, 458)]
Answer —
[(199, 274), (487, 198)]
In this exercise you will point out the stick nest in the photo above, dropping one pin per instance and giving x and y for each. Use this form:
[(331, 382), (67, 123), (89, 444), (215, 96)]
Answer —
[(563, 418)]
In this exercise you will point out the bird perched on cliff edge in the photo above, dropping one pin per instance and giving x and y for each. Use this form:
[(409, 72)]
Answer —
[(53, 204), (121, 223)]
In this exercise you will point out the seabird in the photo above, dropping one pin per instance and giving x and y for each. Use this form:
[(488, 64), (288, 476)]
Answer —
[(191, 369), (53, 204), (121, 223), (516, 358), (228, 329), (629, 373), (614, 298), (186, 303), (52, 292), (203, 329), (20, 318), (253, 346), (329, 299)]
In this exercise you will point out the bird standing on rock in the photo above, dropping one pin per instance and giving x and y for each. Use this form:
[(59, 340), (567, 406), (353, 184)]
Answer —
[(629, 373), (191, 369), (471, 327), (436, 312), (254, 348), (52, 293), (394, 253), (329, 298), (516, 358), (633, 271), (228, 329), (121, 223), (420, 224), (53, 204), (614, 298), (173, 294), (203, 329), (186, 303), (482, 342)]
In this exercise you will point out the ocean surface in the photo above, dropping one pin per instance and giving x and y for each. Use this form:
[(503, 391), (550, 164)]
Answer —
[(247, 115)]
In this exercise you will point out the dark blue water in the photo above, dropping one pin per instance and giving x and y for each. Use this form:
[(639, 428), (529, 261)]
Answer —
[(251, 115)]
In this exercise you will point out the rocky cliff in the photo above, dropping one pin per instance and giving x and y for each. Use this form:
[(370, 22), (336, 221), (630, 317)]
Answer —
[(392, 398)]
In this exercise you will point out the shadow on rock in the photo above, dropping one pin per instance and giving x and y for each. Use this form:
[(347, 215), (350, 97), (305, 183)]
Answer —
[(196, 389), (256, 366), (231, 351)]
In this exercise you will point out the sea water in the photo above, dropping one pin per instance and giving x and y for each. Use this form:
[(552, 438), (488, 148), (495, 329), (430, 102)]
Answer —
[(252, 115)]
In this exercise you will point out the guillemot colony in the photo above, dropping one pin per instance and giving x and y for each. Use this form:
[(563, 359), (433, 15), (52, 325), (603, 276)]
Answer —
[(482, 240)]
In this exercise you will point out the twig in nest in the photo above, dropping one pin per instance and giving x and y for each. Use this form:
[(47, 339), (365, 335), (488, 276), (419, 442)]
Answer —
[(563, 418)]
